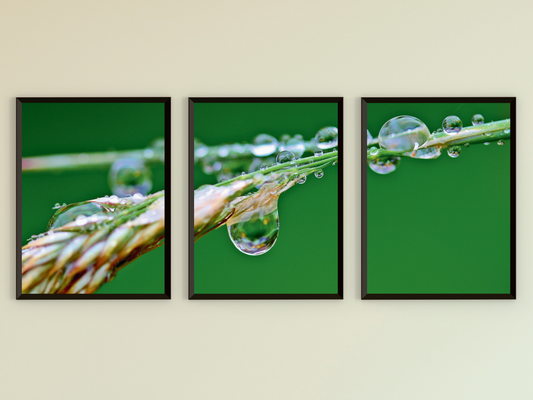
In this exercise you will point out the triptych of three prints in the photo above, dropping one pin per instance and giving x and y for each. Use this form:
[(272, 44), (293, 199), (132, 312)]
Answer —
[(265, 195)]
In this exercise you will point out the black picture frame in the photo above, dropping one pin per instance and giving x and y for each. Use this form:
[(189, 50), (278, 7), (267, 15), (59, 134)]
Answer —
[(166, 101), (266, 296), (512, 143)]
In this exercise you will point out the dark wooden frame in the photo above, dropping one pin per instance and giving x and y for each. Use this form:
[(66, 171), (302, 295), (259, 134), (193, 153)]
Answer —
[(192, 101), (370, 296), (163, 100)]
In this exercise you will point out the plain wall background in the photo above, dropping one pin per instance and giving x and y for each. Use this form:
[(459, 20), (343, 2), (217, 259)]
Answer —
[(348, 349)]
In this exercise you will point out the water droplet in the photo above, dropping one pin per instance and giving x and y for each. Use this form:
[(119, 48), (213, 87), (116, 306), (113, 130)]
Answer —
[(129, 176), (318, 153), (223, 150), (454, 151), (298, 136), (384, 166), (296, 146), (507, 130), (285, 156), (500, 142), (264, 145), (200, 150), (73, 212), (428, 153), (255, 234), (373, 151), (486, 143), (302, 179), (334, 150), (319, 173), (401, 133), (488, 133), (467, 144), (369, 137), (478, 119), (263, 167), (452, 125), (327, 137), (243, 173)]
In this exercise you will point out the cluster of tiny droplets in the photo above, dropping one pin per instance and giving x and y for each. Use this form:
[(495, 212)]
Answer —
[(230, 160), (406, 133)]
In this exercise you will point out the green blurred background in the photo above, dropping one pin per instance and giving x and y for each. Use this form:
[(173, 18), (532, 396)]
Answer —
[(305, 256), (54, 128), (440, 226)]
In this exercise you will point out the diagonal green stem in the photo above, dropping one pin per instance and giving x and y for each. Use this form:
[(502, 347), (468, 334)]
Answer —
[(489, 132), (302, 166)]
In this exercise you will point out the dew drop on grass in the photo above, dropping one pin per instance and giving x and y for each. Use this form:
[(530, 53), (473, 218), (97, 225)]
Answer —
[(296, 146), (373, 151), (478, 119), (327, 137), (500, 142), (318, 153), (302, 179), (382, 166), (428, 153), (452, 125), (255, 234), (76, 212), (285, 156), (128, 176), (319, 173), (507, 130), (402, 133), (454, 151), (223, 150), (486, 143), (264, 145)]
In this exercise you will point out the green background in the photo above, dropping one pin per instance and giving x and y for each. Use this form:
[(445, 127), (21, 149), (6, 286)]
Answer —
[(305, 256), (54, 128), (440, 226)]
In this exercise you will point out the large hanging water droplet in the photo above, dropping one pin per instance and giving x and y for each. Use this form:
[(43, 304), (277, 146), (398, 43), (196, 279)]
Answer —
[(296, 146), (128, 176), (255, 234), (369, 137), (428, 153), (327, 137), (383, 167), (454, 151), (285, 156), (478, 119), (264, 145), (319, 173), (74, 211), (402, 133), (452, 125)]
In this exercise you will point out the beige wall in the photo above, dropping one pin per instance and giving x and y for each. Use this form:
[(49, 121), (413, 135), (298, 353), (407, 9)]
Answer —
[(348, 349)]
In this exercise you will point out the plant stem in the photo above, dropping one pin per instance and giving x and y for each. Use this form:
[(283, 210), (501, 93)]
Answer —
[(302, 166), (78, 161), (489, 132)]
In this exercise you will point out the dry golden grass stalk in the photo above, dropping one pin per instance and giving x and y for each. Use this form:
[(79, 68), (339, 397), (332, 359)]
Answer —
[(82, 254)]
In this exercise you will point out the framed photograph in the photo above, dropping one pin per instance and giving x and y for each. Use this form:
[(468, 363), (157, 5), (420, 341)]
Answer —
[(265, 198), (92, 174), (438, 198)]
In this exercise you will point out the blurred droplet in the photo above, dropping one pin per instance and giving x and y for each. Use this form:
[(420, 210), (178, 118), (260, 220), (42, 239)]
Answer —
[(128, 176)]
